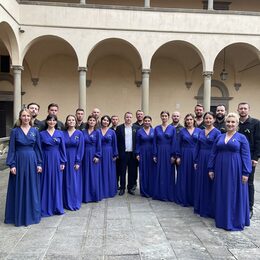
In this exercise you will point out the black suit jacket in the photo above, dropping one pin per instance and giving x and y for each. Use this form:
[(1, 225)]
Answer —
[(120, 134)]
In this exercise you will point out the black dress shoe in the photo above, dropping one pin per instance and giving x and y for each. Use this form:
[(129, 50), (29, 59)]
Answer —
[(134, 187), (121, 192), (132, 192), (251, 214)]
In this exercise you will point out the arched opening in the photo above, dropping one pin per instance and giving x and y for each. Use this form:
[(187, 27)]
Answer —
[(241, 64), (51, 74), (176, 74), (114, 73), (8, 54)]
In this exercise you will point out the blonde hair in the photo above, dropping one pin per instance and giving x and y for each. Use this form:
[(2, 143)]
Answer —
[(232, 114), (19, 121)]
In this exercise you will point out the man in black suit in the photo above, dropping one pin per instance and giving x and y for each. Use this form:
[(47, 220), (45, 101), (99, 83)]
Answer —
[(80, 116), (220, 123), (53, 109), (250, 127), (127, 161)]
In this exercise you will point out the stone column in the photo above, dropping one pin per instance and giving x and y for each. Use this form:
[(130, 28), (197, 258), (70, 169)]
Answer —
[(207, 90), (145, 90), (146, 3), (17, 71), (210, 4), (82, 87)]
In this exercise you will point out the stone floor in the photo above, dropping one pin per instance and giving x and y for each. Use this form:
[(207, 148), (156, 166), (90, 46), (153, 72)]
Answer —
[(128, 228)]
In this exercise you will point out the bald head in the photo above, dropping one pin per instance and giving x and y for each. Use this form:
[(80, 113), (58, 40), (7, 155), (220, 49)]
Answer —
[(176, 117), (96, 113)]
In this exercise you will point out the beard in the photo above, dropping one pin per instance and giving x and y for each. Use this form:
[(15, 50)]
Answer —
[(220, 117)]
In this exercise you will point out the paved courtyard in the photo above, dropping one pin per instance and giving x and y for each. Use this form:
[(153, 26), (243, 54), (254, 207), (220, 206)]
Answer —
[(128, 228)]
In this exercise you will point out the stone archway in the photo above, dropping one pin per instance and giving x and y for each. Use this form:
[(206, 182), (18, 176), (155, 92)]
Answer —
[(220, 95)]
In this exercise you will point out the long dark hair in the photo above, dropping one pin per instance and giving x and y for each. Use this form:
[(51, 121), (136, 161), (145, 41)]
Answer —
[(49, 117), (107, 117)]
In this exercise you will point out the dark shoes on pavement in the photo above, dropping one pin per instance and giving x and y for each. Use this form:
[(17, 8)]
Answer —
[(251, 213), (132, 192), (121, 192)]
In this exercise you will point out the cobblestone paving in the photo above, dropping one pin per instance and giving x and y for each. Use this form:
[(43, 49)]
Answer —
[(128, 228)]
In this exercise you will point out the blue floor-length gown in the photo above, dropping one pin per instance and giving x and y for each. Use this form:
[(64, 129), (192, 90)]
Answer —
[(186, 175), (229, 161), (54, 155), (72, 179), (91, 180), (108, 165), (163, 150), (144, 148), (23, 204), (203, 184)]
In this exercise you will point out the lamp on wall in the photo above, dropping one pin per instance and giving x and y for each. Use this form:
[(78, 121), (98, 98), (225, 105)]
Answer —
[(224, 74)]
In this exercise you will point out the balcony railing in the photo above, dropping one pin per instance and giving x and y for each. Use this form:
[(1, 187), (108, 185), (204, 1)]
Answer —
[(4, 144)]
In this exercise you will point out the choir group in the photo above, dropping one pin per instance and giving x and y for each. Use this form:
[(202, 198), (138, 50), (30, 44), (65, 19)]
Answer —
[(204, 164)]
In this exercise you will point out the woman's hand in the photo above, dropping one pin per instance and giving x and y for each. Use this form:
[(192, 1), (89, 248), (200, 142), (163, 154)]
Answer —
[(178, 161), (138, 158), (76, 167), (211, 175), (155, 159), (62, 167), (95, 160), (244, 179), (172, 160), (39, 169), (195, 166), (13, 170)]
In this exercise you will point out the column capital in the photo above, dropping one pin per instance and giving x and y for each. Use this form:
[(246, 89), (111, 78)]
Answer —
[(82, 69), (17, 67), (146, 71), (207, 74)]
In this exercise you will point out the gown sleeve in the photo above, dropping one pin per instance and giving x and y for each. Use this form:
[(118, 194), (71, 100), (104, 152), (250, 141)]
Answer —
[(155, 143), (178, 145), (98, 152), (245, 156), (137, 147), (10, 160), (197, 149), (80, 149), (213, 154), (38, 149), (63, 156), (114, 143), (174, 139)]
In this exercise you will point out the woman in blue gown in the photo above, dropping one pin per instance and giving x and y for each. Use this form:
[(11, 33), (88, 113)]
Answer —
[(163, 156), (54, 159), (144, 155), (108, 161), (91, 167), (203, 184), (187, 140), (229, 166), (23, 203), (72, 176)]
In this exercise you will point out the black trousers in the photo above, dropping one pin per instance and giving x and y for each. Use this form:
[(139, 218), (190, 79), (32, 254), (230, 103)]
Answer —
[(251, 189), (127, 163)]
